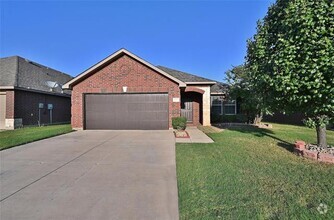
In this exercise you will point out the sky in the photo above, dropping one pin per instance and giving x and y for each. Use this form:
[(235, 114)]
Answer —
[(205, 38)]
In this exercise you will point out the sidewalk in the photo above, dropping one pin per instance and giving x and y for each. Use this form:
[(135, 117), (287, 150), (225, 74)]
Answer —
[(196, 136)]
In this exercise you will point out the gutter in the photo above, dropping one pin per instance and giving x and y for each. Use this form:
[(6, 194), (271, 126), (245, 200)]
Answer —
[(34, 90), (201, 83)]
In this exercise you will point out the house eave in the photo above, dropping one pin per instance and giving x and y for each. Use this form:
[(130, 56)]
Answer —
[(201, 83), (217, 93), (7, 87), (34, 90)]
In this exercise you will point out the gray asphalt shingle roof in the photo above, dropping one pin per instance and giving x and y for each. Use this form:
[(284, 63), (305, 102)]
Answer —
[(218, 87), (18, 72), (184, 77)]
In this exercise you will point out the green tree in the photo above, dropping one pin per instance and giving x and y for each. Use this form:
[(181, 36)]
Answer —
[(291, 60), (240, 88)]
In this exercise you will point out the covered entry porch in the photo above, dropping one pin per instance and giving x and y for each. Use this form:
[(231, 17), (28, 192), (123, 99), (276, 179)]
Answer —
[(195, 105)]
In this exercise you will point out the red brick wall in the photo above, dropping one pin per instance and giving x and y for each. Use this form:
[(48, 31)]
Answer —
[(10, 98), (197, 113), (26, 107), (124, 71)]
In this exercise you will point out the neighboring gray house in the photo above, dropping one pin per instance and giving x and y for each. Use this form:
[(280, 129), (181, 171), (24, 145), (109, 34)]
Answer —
[(31, 94)]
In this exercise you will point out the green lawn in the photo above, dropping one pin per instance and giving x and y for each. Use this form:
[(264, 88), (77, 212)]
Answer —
[(251, 173), (25, 135)]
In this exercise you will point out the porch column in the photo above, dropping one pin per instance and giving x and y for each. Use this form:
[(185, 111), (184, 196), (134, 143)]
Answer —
[(206, 106)]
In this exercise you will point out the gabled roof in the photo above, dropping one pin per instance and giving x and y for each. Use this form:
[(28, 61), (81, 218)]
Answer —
[(115, 56), (18, 72), (186, 77)]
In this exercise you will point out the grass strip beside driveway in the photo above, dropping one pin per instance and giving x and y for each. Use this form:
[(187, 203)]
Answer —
[(251, 173), (20, 136)]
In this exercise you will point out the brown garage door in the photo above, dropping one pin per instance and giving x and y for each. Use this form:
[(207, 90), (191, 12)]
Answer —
[(126, 111)]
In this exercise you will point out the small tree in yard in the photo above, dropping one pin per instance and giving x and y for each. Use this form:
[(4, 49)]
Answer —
[(291, 60), (241, 88)]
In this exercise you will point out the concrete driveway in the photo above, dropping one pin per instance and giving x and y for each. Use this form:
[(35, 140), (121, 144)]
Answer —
[(91, 175)]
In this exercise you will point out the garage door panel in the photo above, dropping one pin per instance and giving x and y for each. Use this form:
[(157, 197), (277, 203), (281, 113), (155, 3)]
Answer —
[(126, 111)]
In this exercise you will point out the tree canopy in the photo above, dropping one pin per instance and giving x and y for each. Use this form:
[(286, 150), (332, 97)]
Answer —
[(241, 89), (291, 58)]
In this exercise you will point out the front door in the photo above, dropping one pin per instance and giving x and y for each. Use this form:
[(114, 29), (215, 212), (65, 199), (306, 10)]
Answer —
[(187, 109)]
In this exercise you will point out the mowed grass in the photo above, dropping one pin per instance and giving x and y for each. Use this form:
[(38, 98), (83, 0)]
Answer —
[(25, 135), (251, 173)]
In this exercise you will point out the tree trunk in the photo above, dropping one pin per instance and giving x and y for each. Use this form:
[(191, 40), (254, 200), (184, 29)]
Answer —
[(258, 118), (321, 136)]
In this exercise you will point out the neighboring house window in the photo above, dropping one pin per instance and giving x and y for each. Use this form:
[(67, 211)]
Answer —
[(230, 107), (216, 105)]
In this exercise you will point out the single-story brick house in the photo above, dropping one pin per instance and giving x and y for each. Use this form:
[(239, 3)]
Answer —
[(123, 91), (31, 94)]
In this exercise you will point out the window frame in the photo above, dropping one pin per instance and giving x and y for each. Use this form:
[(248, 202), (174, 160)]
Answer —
[(230, 104), (217, 104)]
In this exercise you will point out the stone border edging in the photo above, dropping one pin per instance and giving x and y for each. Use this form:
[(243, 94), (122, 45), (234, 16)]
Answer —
[(300, 150)]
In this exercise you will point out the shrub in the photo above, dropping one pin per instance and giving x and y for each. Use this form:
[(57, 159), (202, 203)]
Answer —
[(229, 118), (179, 123), (331, 124), (216, 118), (242, 118)]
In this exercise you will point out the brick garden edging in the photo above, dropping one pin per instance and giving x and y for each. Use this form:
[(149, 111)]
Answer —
[(300, 150)]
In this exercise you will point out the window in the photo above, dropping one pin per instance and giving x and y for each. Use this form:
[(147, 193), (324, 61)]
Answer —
[(217, 110), (230, 107), (216, 105)]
